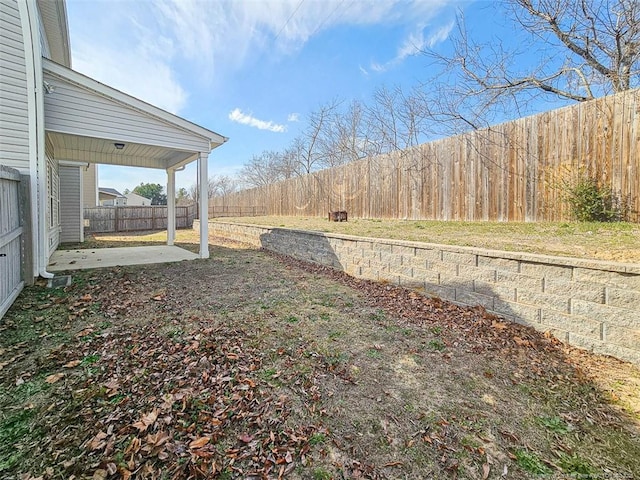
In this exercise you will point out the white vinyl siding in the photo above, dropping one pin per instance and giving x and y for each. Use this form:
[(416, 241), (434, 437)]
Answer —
[(70, 204), (54, 31), (14, 117), (76, 110), (44, 42)]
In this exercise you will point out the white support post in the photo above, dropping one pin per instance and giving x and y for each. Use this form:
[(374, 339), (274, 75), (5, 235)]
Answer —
[(204, 204), (171, 206)]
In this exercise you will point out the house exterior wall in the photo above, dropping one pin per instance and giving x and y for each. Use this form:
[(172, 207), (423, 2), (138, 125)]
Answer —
[(14, 115), (109, 200), (113, 202), (76, 110), (90, 186), (71, 204), (135, 200), (54, 31)]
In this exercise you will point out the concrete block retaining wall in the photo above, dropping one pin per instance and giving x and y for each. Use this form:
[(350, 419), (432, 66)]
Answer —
[(587, 303)]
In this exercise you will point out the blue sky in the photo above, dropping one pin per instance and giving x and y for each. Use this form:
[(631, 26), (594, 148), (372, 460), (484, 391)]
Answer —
[(252, 70)]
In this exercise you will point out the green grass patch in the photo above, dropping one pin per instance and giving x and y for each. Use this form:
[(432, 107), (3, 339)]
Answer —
[(554, 424), (577, 467), (15, 428), (321, 474), (335, 334), (373, 353), (437, 345), (530, 462), (89, 360), (317, 439)]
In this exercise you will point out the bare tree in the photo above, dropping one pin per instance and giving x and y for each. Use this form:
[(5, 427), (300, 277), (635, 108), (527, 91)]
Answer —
[(397, 120), (584, 49), (310, 148), (263, 169), (346, 137), (221, 185), (218, 186)]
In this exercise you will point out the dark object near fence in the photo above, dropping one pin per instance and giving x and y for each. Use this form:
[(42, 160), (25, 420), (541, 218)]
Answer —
[(339, 216)]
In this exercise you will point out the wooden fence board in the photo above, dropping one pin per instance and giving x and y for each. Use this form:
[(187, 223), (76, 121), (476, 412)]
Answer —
[(135, 218), (11, 236), (517, 171)]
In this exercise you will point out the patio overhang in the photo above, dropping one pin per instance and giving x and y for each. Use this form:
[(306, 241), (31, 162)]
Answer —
[(88, 121)]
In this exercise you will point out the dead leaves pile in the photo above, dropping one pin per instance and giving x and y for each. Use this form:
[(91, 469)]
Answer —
[(472, 329), (181, 405)]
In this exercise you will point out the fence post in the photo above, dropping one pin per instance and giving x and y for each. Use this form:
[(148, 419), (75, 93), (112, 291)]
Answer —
[(116, 219)]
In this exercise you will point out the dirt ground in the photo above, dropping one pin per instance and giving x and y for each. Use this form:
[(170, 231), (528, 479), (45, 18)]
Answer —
[(251, 365), (618, 242)]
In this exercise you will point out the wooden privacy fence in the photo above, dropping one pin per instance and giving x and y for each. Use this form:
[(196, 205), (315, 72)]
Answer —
[(135, 218), (236, 211), (516, 171), (12, 273)]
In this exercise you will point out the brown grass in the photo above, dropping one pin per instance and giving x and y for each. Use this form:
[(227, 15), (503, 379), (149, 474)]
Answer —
[(353, 379), (604, 241)]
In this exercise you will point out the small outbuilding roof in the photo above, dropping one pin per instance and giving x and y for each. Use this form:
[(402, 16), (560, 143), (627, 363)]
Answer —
[(110, 191)]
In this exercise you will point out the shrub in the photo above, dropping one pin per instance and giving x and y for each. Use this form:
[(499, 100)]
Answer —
[(592, 203)]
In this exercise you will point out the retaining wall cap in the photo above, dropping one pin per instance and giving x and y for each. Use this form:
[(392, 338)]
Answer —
[(632, 268)]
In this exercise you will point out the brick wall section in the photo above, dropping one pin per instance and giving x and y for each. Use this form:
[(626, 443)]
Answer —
[(589, 304)]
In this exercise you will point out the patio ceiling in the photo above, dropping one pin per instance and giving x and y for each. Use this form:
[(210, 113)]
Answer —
[(85, 119), (101, 150)]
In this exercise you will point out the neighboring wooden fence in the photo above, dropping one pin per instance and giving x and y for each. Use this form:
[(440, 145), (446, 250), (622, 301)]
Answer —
[(12, 274), (516, 171), (138, 218), (236, 211)]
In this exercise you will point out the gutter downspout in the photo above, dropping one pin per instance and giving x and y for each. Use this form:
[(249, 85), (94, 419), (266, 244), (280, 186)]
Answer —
[(33, 62)]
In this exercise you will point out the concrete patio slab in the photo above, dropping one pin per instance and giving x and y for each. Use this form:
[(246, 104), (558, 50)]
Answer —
[(82, 259)]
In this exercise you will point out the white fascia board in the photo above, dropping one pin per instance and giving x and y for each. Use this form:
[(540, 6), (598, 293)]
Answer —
[(69, 163), (69, 75)]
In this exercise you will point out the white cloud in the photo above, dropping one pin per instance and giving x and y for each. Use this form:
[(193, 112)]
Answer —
[(140, 47), (145, 77), (376, 67), (415, 44), (293, 117), (440, 35), (237, 116)]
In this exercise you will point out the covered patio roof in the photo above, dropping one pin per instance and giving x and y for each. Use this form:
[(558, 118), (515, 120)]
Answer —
[(85, 119), (88, 121)]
